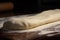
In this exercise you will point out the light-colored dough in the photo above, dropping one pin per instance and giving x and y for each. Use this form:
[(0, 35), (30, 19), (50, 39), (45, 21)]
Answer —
[(29, 22)]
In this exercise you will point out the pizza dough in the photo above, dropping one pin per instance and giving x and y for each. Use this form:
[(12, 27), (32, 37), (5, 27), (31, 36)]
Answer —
[(30, 22)]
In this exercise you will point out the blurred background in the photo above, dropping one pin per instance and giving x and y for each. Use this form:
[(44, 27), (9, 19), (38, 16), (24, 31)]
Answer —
[(20, 7)]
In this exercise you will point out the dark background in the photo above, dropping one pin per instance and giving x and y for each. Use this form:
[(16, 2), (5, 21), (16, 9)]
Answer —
[(32, 6)]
